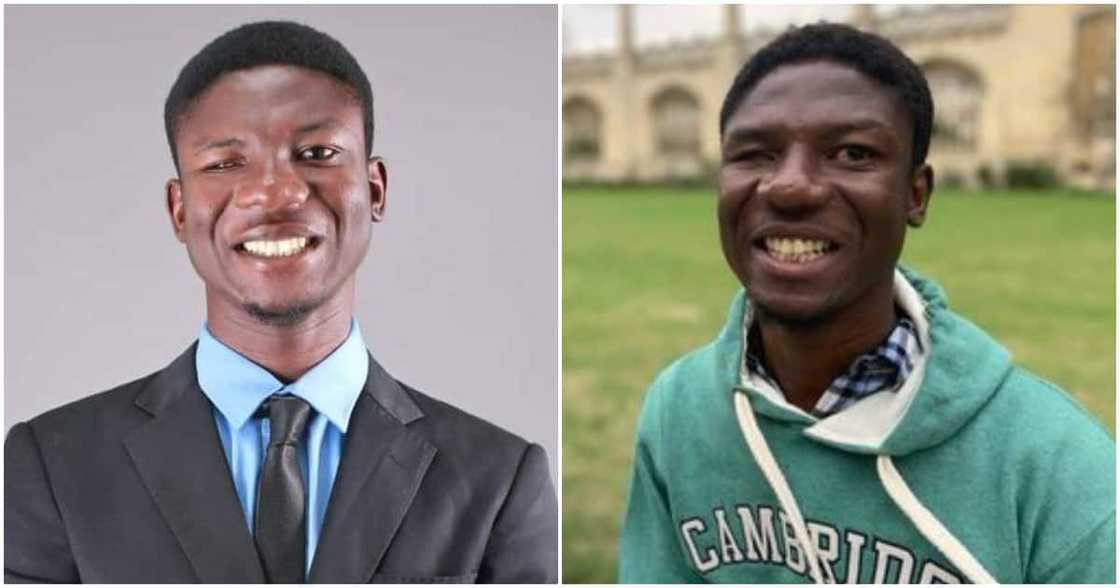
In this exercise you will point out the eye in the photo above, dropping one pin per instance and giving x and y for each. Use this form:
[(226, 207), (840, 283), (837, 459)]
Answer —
[(223, 165), (855, 154), (317, 153)]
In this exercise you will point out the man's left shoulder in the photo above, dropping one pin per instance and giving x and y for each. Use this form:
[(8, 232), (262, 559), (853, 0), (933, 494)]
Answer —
[(1063, 462), (1043, 432), (488, 491), (1048, 410), (469, 441)]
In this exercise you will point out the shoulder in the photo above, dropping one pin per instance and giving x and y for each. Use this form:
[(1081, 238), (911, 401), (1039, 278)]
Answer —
[(701, 379), (1053, 445), (98, 417), (687, 410), (78, 439), (468, 443), (697, 362), (1047, 414), (1065, 462), (1038, 429), (689, 386), (488, 490), (109, 415)]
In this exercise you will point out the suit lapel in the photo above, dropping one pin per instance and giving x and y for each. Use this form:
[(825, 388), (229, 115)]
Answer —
[(180, 458), (382, 466)]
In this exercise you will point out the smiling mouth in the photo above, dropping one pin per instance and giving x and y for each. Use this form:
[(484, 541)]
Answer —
[(278, 247), (797, 250)]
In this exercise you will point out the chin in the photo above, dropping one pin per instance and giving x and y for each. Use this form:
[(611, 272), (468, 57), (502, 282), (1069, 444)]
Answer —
[(280, 315), (791, 310)]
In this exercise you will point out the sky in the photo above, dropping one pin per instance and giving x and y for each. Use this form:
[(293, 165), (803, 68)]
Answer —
[(589, 28)]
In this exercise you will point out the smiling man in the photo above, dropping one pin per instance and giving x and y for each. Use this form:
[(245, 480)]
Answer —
[(275, 448), (846, 425)]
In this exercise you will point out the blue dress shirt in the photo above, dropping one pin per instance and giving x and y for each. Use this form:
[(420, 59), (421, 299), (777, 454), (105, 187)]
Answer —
[(236, 387)]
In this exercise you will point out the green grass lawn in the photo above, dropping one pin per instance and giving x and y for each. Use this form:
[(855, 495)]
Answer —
[(645, 281)]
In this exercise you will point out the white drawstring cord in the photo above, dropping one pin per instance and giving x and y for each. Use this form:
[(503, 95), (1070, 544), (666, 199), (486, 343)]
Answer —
[(892, 481), (928, 525), (765, 460)]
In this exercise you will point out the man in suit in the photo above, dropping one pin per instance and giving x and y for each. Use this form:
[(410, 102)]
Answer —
[(275, 448)]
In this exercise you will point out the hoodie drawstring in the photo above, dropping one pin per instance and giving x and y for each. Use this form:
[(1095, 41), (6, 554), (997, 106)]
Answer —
[(928, 525), (892, 481), (765, 460)]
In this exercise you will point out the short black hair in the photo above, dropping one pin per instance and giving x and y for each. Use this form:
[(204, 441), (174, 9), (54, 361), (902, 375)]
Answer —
[(266, 43), (867, 53)]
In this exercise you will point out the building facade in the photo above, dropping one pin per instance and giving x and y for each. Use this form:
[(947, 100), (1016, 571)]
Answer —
[(1013, 85)]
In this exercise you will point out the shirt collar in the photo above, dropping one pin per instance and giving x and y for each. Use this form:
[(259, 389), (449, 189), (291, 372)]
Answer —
[(236, 386), (898, 352), (894, 351)]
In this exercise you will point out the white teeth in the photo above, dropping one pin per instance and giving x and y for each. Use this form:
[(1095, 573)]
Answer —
[(280, 248), (796, 250)]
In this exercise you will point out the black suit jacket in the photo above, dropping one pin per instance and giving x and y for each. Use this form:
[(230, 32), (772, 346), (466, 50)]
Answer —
[(132, 485)]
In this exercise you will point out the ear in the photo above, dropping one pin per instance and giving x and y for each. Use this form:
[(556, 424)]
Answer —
[(921, 189), (378, 188), (175, 208)]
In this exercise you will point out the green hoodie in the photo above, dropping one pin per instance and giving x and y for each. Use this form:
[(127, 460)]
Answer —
[(974, 470)]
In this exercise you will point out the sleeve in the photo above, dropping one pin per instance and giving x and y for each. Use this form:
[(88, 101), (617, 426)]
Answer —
[(1070, 506), (1092, 560), (649, 549), (36, 548), (523, 545)]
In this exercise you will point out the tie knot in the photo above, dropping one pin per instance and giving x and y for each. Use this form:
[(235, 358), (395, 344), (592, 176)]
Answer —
[(287, 417)]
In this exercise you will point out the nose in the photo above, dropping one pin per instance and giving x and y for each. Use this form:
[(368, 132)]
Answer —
[(275, 187), (794, 185)]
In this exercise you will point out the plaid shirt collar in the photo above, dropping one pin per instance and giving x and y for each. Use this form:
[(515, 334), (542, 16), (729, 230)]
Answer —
[(884, 368)]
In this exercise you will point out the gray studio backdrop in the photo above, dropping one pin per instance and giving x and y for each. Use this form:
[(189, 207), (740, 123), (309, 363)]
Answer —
[(458, 295)]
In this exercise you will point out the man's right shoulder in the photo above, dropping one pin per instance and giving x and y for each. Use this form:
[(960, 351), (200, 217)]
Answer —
[(95, 418), (689, 387), (703, 377), (702, 369)]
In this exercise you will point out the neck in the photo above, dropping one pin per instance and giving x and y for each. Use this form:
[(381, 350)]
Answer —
[(287, 351), (806, 358)]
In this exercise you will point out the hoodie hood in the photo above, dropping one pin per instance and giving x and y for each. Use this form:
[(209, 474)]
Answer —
[(958, 373)]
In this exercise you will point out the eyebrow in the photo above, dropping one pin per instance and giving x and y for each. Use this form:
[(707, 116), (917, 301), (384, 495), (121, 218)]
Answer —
[(219, 143), (748, 133), (326, 123), (862, 124)]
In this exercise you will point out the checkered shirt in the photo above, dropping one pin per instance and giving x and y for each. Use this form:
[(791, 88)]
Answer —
[(884, 368)]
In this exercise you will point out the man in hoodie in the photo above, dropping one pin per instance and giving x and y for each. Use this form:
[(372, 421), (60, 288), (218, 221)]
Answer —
[(845, 425)]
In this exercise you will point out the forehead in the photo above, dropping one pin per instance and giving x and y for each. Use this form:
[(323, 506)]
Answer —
[(271, 96), (820, 93)]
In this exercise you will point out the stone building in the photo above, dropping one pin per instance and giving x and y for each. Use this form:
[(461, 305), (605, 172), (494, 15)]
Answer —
[(1012, 84)]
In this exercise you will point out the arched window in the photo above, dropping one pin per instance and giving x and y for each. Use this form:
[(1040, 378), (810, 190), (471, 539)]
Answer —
[(582, 124), (676, 123), (676, 132), (957, 97)]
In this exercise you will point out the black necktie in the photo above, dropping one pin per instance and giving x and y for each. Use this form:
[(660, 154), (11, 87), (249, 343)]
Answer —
[(280, 521)]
